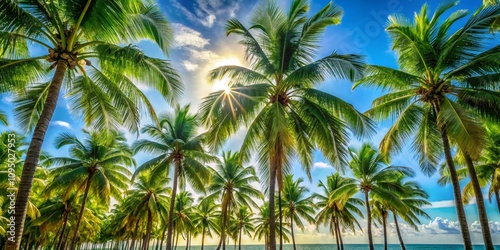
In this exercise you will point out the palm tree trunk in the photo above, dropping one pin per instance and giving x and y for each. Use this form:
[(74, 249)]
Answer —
[(340, 236), (462, 219), (33, 153), (203, 237), (176, 239), (384, 224), (272, 217), (239, 238), (334, 222), (281, 218), (163, 238), (293, 235), (481, 209), (172, 205), (398, 232), (134, 235), (59, 243), (82, 210), (497, 196), (369, 215), (145, 245)]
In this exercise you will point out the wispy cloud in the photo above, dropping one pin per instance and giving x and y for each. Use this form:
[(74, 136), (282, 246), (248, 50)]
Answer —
[(188, 37), (320, 164), (207, 12), (61, 124)]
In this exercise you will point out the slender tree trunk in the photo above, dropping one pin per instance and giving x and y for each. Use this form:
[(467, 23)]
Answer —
[(59, 243), (272, 217), (462, 219), (398, 231), (134, 235), (33, 154), (369, 215), (384, 224), (334, 221), (497, 196), (281, 218), (239, 238), (82, 210), (163, 238), (293, 235), (145, 245), (176, 239), (172, 205), (203, 237), (481, 209), (340, 236)]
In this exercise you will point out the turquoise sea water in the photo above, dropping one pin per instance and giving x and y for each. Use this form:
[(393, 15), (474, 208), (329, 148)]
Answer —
[(351, 247)]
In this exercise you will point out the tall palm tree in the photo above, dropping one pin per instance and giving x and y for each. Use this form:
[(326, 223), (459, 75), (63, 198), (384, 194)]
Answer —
[(205, 216), (232, 186), (97, 165), (77, 36), (413, 198), (275, 97), (439, 92), (296, 205), (176, 143), (150, 198), (337, 205), (487, 169), (376, 178)]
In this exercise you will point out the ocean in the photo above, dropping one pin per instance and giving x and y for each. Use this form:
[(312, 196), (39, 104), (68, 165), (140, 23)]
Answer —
[(348, 247)]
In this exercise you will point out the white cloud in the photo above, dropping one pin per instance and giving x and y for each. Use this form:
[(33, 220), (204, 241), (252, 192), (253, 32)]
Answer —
[(62, 124), (321, 164), (189, 66), (206, 12), (187, 37), (441, 226), (7, 99), (475, 227)]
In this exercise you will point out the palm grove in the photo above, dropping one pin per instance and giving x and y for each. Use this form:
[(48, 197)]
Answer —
[(443, 98)]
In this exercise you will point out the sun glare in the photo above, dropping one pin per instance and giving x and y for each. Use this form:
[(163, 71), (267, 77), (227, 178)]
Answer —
[(223, 84)]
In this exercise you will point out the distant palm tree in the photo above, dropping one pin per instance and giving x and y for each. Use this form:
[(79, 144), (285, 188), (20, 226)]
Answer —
[(275, 97), (79, 45), (262, 226), (98, 165), (376, 178), (232, 186), (296, 205), (205, 216), (182, 216), (446, 81), (150, 199), (338, 207), (243, 223), (176, 143), (413, 199)]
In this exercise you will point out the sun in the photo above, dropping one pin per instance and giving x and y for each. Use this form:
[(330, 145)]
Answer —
[(224, 84)]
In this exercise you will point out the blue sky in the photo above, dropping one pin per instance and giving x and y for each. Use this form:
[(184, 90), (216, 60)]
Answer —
[(201, 44)]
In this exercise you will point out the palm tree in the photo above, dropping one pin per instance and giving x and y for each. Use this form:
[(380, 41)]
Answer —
[(263, 225), (275, 97), (337, 205), (3, 118), (232, 186), (150, 199), (488, 169), (77, 36), (495, 27), (242, 223), (182, 215), (442, 88), (205, 216), (176, 143), (296, 206), (97, 165), (376, 179), (413, 198)]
